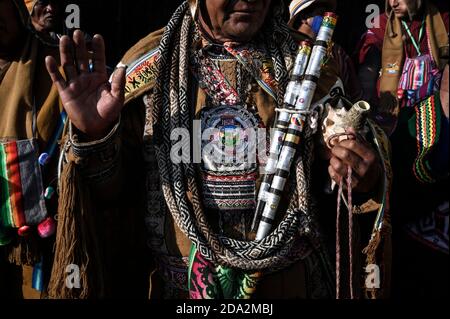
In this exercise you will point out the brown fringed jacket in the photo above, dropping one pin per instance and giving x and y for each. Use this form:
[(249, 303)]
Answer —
[(113, 217)]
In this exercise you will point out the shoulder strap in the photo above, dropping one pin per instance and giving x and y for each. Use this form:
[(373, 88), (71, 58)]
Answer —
[(392, 61)]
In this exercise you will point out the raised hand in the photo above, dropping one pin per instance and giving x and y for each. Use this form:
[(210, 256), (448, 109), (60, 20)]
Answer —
[(91, 102)]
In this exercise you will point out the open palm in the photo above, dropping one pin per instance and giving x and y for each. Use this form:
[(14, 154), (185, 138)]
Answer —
[(91, 102)]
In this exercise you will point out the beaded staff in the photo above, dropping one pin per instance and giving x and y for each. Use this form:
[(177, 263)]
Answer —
[(285, 144)]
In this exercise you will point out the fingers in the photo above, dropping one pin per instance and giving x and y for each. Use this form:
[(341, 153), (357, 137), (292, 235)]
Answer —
[(81, 51), (338, 172), (351, 130), (55, 75), (360, 147), (98, 46), (74, 55), (67, 57), (339, 168), (356, 153), (361, 158), (335, 176), (118, 84), (348, 156)]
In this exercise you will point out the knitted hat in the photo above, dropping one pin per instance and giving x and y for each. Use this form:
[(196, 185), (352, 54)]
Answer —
[(30, 5)]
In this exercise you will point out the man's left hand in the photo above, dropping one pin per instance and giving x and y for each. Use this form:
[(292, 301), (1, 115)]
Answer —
[(363, 160)]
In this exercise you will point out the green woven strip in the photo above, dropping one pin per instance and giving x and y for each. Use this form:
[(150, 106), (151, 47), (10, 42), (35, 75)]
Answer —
[(5, 208)]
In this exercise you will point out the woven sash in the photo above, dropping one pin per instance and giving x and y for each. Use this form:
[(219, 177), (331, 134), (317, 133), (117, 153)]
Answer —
[(21, 190)]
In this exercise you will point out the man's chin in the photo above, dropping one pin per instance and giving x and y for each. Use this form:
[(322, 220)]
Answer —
[(49, 26), (243, 32), (400, 15)]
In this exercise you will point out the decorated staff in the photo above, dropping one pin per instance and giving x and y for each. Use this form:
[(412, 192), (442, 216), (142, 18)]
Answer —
[(291, 141), (282, 123)]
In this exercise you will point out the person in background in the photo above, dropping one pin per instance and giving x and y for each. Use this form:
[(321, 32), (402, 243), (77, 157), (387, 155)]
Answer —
[(411, 103), (402, 60), (46, 18), (31, 121)]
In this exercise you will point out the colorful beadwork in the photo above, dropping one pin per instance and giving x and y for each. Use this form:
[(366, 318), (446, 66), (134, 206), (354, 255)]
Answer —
[(212, 81), (258, 64), (141, 72), (229, 174)]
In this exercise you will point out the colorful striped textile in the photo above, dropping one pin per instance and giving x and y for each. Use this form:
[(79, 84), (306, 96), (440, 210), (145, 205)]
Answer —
[(21, 191), (416, 72), (428, 120), (140, 72), (207, 281), (419, 80)]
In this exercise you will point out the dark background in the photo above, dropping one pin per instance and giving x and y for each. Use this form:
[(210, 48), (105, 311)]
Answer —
[(124, 22)]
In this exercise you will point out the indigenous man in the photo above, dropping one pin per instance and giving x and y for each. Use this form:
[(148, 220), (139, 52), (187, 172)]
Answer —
[(30, 115), (225, 64), (45, 16)]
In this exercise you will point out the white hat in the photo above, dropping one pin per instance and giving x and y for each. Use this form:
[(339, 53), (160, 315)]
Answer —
[(297, 6)]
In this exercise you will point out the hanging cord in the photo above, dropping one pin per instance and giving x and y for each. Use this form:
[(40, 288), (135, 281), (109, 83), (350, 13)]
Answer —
[(349, 204), (350, 228), (338, 240)]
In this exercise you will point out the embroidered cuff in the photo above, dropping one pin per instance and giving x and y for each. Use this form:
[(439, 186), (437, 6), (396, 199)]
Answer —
[(98, 160), (83, 149)]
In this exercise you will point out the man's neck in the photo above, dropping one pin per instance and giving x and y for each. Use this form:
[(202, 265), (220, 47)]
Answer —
[(209, 33)]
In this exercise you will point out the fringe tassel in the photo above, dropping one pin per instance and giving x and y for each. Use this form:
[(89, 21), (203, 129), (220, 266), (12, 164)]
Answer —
[(75, 240), (370, 251), (24, 251)]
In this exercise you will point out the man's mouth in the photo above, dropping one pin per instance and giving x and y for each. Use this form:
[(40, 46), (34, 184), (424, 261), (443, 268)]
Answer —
[(243, 13), (49, 17)]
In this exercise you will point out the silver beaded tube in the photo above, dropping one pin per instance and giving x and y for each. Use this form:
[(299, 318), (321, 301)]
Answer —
[(291, 126), (281, 125)]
